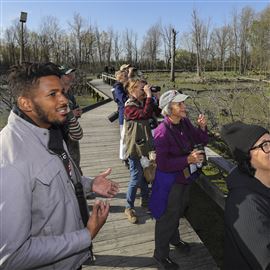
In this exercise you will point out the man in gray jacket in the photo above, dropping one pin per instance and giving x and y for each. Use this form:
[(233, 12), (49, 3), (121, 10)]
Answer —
[(43, 225)]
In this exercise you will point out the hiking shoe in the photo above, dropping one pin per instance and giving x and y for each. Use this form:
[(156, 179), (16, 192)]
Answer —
[(182, 246), (131, 215), (167, 263), (144, 202)]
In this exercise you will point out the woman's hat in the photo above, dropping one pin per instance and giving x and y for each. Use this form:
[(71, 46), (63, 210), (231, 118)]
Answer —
[(171, 96), (124, 67), (240, 137)]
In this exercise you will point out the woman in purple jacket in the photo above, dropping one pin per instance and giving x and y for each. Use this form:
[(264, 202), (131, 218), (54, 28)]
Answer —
[(177, 161)]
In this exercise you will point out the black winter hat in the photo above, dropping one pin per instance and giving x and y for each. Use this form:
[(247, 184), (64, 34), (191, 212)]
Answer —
[(240, 137)]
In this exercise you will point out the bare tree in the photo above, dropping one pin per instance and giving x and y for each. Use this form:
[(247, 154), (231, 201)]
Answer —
[(246, 19), (152, 43), (117, 47), (77, 27), (234, 40), (49, 32), (128, 44), (221, 39), (197, 27), (167, 42), (89, 46), (11, 55), (260, 41)]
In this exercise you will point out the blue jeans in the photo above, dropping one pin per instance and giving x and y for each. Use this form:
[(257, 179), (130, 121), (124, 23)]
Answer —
[(136, 179)]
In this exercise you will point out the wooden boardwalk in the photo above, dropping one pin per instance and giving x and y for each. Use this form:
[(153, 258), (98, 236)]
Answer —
[(120, 244)]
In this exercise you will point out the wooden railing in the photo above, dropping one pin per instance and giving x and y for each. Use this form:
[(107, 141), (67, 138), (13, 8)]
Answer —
[(210, 188), (108, 78), (221, 163), (100, 97)]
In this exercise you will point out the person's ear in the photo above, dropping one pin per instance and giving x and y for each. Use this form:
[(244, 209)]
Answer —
[(25, 104)]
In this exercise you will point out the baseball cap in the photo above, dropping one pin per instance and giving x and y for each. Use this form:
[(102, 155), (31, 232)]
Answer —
[(171, 96), (65, 70), (124, 66)]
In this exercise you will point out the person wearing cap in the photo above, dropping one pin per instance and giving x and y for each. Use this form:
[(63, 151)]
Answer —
[(247, 209), (68, 78), (176, 156), (132, 72), (124, 67)]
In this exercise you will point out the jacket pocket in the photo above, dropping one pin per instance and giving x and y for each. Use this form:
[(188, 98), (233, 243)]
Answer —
[(49, 172), (49, 186)]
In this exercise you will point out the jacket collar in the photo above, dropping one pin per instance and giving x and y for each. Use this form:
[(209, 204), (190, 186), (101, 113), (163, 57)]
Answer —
[(29, 129), (171, 124), (238, 179)]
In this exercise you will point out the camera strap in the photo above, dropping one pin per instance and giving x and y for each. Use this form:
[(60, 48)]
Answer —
[(183, 149), (56, 145)]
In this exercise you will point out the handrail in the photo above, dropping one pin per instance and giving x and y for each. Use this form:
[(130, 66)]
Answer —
[(212, 190), (109, 76), (105, 100), (218, 160), (97, 90)]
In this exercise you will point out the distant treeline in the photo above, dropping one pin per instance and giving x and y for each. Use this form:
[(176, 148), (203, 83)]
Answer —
[(240, 45)]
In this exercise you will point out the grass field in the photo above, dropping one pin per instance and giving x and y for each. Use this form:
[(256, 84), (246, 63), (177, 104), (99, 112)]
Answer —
[(85, 100), (225, 97)]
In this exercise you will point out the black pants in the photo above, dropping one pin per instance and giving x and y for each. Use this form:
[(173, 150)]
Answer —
[(166, 228)]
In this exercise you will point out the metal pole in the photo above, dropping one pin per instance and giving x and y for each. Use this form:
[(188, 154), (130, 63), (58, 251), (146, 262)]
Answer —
[(22, 46)]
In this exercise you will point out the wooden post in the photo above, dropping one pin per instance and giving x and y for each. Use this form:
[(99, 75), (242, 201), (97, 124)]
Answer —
[(173, 55)]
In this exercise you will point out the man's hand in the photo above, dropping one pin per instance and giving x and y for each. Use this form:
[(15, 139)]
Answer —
[(98, 217), (104, 186)]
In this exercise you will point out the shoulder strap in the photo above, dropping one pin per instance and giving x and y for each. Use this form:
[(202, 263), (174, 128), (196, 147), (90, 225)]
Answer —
[(183, 150)]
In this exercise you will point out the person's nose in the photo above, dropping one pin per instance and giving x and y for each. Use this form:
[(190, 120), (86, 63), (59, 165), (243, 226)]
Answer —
[(63, 99)]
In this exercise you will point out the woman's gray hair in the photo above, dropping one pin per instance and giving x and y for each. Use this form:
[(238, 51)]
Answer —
[(167, 111)]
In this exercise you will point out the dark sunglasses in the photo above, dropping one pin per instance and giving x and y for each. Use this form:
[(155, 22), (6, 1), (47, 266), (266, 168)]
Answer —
[(265, 146)]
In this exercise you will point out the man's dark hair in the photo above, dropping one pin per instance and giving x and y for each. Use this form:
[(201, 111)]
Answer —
[(23, 78)]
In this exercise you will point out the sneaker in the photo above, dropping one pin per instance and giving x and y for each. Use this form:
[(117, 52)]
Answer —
[(182, 246), (144, 202), (131, 215), (167, 263)]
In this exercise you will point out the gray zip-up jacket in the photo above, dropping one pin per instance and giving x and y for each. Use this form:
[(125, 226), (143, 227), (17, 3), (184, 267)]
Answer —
[(41, 225)]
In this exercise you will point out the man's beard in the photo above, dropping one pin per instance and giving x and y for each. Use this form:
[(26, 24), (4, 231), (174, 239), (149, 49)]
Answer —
[(43, 116)]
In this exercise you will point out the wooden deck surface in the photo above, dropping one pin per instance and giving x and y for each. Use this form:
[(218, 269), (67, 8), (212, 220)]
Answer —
[(120, 244)]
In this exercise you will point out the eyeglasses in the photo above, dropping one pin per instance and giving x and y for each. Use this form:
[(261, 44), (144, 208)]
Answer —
[(265, 146)]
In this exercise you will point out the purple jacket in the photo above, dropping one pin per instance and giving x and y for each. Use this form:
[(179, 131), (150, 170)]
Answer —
[(171, 160), (170, 157)]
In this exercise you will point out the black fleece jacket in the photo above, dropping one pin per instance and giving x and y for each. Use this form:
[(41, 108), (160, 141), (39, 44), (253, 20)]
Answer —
[(247, 223)]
